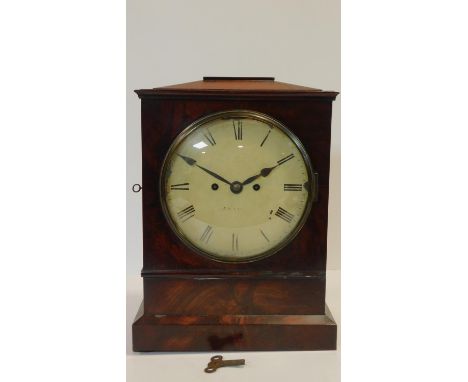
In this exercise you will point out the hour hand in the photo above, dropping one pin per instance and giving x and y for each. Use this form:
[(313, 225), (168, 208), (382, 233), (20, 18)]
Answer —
[(263, 172)]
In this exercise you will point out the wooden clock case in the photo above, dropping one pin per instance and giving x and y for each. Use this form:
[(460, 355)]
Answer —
[(193, 303)]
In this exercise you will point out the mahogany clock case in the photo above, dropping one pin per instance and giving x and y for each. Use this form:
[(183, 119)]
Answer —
[(193, 303)]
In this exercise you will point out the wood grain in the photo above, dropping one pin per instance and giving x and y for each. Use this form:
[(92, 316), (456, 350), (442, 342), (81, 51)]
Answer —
[(233, 332)]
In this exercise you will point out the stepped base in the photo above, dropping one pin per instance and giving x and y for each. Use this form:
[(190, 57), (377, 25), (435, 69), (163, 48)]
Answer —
[(166, 333)]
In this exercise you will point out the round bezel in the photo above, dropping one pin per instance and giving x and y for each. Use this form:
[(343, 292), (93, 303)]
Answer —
[(244, 114)]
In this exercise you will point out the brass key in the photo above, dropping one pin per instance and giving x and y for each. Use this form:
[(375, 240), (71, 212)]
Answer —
[(217, 361)]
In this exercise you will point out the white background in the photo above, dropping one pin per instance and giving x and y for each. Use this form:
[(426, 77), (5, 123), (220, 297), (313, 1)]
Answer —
[(170, 42), (404, 188)]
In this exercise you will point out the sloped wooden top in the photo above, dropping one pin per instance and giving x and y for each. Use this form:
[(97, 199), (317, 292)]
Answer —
[(235, 87)]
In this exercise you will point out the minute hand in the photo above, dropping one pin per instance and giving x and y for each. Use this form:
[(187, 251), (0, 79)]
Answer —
[(213, 174), (193, 162)]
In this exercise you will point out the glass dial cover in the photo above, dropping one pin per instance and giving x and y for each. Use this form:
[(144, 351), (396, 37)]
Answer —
[(236, 186)]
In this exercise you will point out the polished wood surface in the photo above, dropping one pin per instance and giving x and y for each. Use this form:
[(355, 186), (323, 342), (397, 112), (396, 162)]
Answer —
[(179, 282), (164, 119), (246, 84), (234, 332), (225, 87), (210, 296)]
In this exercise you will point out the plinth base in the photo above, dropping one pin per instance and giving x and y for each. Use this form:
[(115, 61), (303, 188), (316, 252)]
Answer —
[(166, 333)]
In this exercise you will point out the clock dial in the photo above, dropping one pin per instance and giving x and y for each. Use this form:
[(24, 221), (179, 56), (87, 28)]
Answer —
[(235, 186)]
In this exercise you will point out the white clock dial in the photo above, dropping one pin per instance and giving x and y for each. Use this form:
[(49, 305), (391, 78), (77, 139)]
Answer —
[(236, 186)]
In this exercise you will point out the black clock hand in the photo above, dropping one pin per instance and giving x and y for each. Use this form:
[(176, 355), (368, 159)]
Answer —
[(193, 162), (263, 172), (188, 160), (214, 174), (266, 171)]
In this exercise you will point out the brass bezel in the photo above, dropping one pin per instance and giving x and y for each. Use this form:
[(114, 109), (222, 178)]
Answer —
[(239, 114)]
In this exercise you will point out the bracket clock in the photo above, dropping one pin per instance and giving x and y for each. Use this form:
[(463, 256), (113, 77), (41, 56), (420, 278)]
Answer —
[(235, 209)]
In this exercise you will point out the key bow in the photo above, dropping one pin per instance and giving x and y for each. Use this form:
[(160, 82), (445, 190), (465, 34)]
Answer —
[(217, 362)]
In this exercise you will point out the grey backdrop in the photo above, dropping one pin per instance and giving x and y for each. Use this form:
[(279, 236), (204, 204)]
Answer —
[(173, 41)]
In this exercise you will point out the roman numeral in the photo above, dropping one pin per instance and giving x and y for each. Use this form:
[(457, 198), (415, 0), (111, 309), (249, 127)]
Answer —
[(265, 236), (285, 159), (180, 187), (186, 213), (209, 138), (292, 187), (237, 130), (264, 139), (206, 234), (285, 215), (235, 242)]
